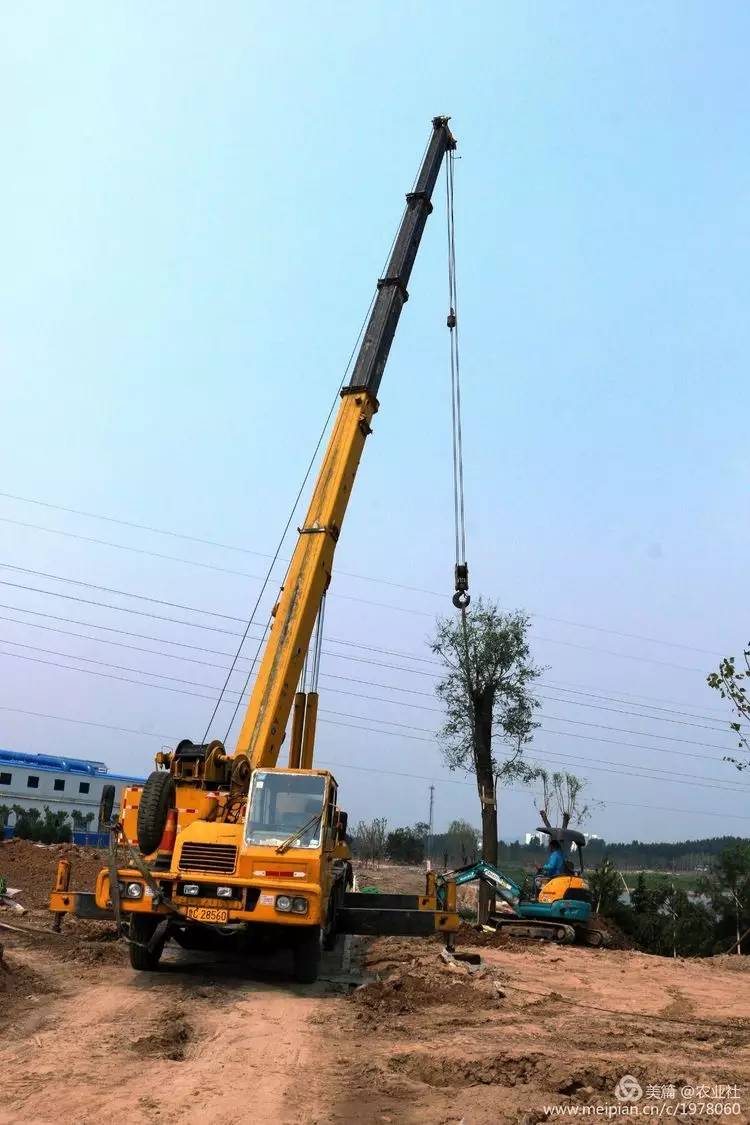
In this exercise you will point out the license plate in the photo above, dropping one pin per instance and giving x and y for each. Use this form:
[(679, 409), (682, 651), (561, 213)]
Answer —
[(207, 914)]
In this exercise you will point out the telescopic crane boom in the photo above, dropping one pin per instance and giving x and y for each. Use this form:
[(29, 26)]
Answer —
[(309, 572)]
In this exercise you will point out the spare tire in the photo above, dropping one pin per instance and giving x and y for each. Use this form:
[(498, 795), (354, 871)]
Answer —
[(156, 800)]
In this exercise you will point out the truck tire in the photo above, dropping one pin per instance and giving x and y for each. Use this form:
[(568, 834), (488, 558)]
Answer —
[(156, 800), (306, 952), (142, 928), (329, 931)]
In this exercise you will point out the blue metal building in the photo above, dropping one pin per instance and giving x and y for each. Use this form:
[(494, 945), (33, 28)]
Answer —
[(60, 784)]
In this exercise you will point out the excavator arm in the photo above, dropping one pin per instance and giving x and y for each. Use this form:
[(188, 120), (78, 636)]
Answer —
[(309, 572), (484, 872)]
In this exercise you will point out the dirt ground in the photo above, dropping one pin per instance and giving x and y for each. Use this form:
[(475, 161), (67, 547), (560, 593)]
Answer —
[(395, 1036)]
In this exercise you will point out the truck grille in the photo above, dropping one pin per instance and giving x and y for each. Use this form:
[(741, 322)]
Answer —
[(208, 857)]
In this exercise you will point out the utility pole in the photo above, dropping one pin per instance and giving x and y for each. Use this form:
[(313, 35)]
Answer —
[(429, 821)]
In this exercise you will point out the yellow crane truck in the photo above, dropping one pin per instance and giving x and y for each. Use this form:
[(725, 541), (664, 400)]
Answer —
[(226, 846)]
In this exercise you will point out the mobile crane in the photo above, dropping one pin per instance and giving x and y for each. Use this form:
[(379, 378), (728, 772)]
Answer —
[(221, 845)]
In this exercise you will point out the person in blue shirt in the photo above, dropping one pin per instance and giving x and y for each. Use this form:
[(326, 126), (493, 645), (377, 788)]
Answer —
[(555, 864)]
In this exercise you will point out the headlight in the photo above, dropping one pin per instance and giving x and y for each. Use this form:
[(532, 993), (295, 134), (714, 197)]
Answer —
[(299, 906), (190, 889), (283, 903), (223, 892), (134, 890)]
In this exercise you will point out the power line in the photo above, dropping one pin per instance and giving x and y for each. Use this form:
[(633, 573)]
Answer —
[(158, 675), (264, 554), (637, 733), (191, 683), (728, 788), (133, 550), (556, 686), (350, 766), (343, 597), (634, 714), (631, 699), (397, 733), (88, 723), (223, 667), (623, 655), (698, 780), (181, 621), (450, 781)]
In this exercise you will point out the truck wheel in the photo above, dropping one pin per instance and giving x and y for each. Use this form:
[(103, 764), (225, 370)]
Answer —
[(330, 938), (156, 800), (142, 928), (306, 953), (329, 932)]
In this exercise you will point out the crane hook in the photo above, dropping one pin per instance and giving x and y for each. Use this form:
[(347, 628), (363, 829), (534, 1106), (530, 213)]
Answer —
[(461, 598)]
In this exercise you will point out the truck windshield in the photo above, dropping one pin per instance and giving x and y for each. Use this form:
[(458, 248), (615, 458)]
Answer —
[(279, 804)]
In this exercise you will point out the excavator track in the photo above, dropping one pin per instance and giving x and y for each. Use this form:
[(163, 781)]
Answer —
[(591, 936), (559, 932)]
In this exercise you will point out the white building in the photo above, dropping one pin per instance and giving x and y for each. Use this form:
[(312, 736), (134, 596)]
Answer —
[(540, 838), (36, 781)]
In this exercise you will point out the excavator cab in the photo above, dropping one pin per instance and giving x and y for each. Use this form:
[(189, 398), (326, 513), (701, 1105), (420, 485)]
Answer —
[(571, 843), (571, 883)]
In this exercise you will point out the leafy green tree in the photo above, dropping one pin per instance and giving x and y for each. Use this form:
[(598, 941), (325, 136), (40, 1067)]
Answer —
[(463, 841), (81, 821), (5, 811), (54, 828), (28, 823), (693, 925), (487, 694), (48, 829), (405, 845), (664, 920), (729, 680), (728, 888), (606, 886)]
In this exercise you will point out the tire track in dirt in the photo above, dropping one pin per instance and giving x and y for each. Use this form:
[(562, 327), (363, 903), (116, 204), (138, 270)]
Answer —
[(191, 1044)]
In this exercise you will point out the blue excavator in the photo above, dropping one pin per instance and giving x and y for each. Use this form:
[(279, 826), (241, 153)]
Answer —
[(557, 909)]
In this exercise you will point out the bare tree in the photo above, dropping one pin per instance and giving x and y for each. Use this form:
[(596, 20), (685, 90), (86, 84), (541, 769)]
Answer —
[(562, 798), (371, 837), (486, 691)]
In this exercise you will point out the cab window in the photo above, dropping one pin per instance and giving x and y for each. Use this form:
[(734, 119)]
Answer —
[(281, 804)]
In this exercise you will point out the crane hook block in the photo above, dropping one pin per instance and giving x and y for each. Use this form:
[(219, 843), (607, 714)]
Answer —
[(461, 598)]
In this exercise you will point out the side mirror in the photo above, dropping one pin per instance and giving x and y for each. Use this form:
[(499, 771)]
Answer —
[(106, 804), (342, 819)]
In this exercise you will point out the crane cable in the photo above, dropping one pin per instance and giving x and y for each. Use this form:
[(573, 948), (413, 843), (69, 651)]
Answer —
[(461, 597)]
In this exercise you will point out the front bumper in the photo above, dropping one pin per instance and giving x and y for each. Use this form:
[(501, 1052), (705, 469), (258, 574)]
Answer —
[(253, 904)]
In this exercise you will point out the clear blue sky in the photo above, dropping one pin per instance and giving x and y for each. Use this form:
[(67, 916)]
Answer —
[(196, 201)]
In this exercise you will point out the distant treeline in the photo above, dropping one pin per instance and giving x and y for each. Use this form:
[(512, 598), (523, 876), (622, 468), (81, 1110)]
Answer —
[(681, 855), (460, 845)]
